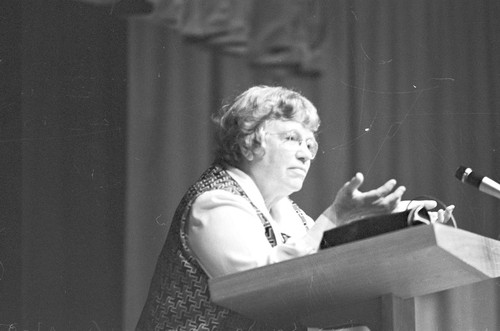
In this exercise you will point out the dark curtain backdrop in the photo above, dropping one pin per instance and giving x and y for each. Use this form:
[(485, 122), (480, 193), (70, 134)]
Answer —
[(405, 89), (63, 85), (73, 166)]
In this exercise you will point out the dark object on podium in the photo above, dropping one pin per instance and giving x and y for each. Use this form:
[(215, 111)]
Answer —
[(373, 226)]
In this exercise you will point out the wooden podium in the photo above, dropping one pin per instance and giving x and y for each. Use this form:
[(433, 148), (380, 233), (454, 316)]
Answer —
[(371, 282)]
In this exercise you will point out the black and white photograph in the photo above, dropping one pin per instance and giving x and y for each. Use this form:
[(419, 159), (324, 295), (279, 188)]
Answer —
[(249, 165)]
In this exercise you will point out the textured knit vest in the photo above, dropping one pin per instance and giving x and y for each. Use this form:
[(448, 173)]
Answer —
[(179, 298)]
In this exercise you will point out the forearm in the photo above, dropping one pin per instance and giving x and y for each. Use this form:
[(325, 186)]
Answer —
[(326, 221)]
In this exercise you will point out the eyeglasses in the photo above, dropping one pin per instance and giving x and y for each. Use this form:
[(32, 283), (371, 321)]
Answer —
[(294, 140)]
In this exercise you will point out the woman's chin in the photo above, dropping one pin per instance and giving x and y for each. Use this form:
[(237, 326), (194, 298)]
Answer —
[(296, 184)]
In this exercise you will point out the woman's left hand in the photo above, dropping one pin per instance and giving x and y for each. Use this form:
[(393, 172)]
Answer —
[(440, 216)]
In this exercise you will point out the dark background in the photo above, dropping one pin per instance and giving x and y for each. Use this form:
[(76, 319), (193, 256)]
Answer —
[(63, 80)]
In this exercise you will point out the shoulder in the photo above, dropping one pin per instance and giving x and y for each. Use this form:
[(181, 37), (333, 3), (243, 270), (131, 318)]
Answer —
[(220, 199), (216, 177)]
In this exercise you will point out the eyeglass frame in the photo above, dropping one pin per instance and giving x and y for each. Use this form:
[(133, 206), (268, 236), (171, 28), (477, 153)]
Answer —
[(284, 136)]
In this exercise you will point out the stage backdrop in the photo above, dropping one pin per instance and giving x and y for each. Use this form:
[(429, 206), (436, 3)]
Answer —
[(63, 85), (405, 89)]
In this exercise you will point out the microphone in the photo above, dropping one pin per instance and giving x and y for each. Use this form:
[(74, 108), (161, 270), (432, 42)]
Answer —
[(483, 183)]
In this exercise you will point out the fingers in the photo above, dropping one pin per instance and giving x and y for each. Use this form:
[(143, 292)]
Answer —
[(442, 216), (448, 213), (428, 204), (386, 197), (380, 192), (410, 204), (392, 200), (354, 183), (397, 194), (383, 198), (383, 190)]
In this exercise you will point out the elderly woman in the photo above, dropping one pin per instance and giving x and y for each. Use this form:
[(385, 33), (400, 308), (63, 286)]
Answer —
[(238, 215)]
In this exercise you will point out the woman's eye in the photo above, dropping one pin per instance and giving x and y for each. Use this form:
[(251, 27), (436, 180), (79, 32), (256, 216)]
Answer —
[(292, 136)]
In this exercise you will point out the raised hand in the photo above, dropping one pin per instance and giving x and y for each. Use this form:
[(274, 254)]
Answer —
[(350, 203)]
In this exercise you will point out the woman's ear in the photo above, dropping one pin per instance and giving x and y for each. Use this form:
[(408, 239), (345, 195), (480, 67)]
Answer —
[(247, 153), (253, 147)]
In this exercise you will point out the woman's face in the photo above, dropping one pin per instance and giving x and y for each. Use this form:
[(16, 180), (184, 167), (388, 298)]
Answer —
[(283, 163)]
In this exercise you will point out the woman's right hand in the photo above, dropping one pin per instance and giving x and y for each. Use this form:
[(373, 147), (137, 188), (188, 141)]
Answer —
[(351, 204)]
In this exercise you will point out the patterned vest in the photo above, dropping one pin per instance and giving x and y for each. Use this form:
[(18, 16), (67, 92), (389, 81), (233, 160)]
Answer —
[(179, 298)]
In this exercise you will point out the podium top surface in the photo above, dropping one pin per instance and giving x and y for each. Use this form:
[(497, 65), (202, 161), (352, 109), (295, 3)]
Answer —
[(406, 263)]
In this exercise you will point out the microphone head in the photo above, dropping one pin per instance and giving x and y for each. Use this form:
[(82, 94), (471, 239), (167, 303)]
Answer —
[(466, 175), (460, 173)]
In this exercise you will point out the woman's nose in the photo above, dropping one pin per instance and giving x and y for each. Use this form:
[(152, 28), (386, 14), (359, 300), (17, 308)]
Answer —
[(303, 153)]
